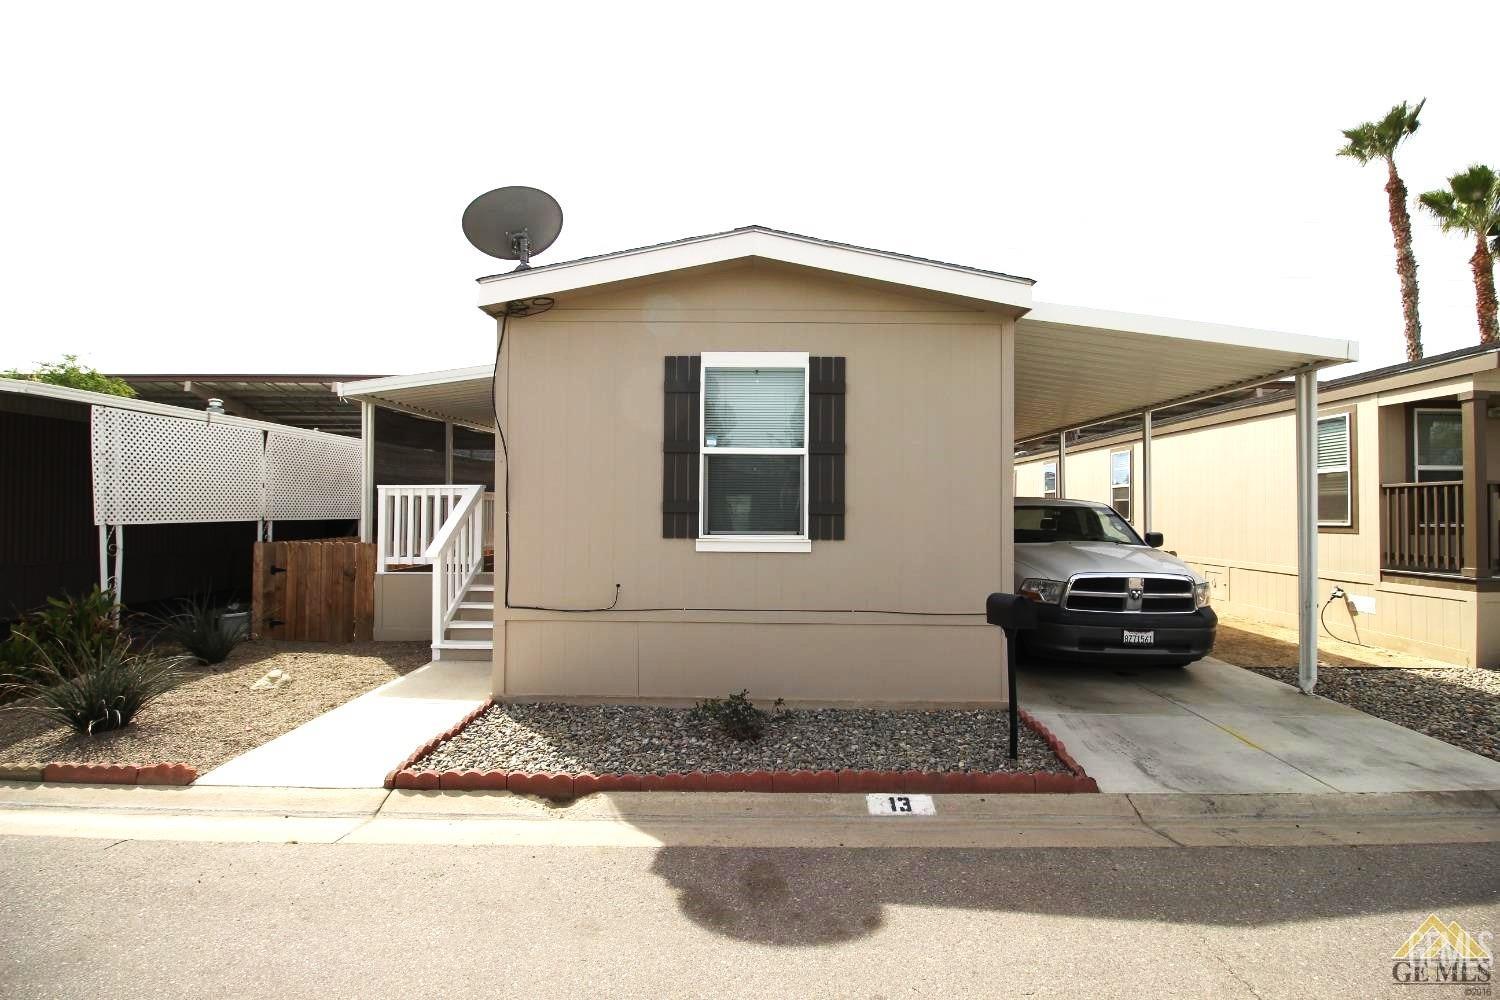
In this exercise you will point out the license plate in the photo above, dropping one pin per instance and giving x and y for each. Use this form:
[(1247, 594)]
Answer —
[(1134, 637)]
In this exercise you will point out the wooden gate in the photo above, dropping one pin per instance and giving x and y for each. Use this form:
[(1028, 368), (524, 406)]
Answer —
[(316, 591)]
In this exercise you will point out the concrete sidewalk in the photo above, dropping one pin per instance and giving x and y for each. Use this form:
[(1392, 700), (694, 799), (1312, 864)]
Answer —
[(1214, 728), (358, 743), (738, 819)]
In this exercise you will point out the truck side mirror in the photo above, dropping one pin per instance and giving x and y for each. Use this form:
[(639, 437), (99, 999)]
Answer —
[(1010, 612), (1155, 539)]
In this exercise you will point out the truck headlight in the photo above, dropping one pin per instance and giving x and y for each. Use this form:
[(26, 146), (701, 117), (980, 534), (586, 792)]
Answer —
[(1201, 594), (1042, 591)]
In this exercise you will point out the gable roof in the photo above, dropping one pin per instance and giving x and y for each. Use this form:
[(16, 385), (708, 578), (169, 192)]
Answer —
[(763, 243)]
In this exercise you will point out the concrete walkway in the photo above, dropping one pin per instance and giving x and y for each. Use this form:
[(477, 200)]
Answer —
[(358, 743), (1214, 728)]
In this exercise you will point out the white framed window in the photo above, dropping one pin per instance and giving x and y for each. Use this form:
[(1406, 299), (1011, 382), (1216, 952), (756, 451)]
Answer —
[(752, 466), (1438, 445), (1335, 502), (1049, 480), (1119, 481)]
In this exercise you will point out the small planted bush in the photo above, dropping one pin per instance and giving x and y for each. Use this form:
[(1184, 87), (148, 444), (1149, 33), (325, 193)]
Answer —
[(66, 629), (95, 690), (737, 715), (197, 627)]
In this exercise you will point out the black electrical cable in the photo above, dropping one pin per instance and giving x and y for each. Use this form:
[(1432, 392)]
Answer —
[(534, 307), (1324, 610)]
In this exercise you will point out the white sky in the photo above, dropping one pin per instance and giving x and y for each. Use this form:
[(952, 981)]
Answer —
[(195, 187)]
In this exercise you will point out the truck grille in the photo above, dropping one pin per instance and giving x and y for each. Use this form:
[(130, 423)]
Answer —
[(1130, 594)]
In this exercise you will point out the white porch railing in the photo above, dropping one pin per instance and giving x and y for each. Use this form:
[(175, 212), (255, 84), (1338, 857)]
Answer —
[(408, 518), (457, 557)]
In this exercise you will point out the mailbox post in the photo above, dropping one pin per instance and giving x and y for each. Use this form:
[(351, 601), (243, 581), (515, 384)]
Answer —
[(1012, 614)]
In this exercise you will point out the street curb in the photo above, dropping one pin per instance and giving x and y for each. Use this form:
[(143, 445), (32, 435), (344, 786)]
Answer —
[(569, 786), (432, 744), (101, 774)]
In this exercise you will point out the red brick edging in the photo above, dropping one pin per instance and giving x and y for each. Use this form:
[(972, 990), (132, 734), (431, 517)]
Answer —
[(568, 786), (102, 774)]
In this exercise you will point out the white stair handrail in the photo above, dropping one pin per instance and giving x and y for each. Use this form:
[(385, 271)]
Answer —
[(457, 557)]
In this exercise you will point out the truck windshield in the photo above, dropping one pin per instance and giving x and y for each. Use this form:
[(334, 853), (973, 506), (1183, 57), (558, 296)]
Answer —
[(1073, 524)]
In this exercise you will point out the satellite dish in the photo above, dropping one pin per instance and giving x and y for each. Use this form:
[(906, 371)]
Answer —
[(513, 223)]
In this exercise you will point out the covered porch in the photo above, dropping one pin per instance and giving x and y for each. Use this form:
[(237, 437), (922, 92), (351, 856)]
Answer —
[(1440, 484), (428, 502)]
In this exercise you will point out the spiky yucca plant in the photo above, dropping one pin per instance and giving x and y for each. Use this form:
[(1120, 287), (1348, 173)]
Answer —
[(1378, 140), (94, 690)]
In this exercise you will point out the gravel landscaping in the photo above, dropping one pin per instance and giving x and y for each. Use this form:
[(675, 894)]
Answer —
[(1458, 705), (640, 739), (215, 713)]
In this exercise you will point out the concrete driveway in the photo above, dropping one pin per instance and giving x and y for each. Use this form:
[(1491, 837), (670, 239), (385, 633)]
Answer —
[(1215, 728)]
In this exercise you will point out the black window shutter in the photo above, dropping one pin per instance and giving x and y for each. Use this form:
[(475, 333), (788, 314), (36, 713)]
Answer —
[(825, 453), (680, 440)]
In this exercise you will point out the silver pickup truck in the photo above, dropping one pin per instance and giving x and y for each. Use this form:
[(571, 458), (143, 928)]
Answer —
[(1102, 592)]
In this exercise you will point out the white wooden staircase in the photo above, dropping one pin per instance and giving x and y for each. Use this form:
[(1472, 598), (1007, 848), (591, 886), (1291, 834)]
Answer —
[(470, 633)]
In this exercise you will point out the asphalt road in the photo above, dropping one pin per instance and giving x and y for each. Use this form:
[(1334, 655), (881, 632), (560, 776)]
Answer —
[(95, 918)]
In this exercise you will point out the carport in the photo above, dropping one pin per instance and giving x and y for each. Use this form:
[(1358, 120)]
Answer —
[(1076, 368)]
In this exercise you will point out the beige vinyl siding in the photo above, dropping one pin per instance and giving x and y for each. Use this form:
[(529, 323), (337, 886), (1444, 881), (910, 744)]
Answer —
[(927, 498)]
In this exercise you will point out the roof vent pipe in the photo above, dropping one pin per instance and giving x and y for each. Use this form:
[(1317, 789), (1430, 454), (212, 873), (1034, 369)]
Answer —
[(215, 405)]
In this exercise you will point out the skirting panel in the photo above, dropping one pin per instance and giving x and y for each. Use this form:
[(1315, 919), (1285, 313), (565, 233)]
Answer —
[(816, 662)]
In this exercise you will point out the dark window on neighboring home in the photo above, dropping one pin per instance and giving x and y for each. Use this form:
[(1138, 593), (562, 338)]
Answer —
[(1049, 480), (1119, 481), (473, 457), (1438, 445), (1335, 469)]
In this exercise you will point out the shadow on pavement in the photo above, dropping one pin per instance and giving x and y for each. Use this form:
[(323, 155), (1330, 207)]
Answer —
[(804, 897)]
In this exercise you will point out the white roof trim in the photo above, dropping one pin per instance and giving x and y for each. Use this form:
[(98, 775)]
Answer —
[(755, 242), (26, 387), (392, 383), (1326, 349)]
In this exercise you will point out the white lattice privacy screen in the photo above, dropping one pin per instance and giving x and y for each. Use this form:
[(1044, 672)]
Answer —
[(155, 469), (311, 478)]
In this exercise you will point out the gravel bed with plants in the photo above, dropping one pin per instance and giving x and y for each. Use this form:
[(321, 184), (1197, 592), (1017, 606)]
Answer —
[(1458, 705), (642, 739)]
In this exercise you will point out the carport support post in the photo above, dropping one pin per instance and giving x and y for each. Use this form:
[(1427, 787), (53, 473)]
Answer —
[(1307, 531), (1010, 687), (1062, 460), (367, 472), (1146, 471)]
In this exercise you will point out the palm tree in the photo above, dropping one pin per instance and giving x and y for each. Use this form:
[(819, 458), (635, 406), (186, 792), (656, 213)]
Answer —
[(1378, 141), (1471, 205)]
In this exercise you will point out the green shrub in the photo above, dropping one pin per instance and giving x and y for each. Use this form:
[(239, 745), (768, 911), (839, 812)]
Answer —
[(196, 627), (95, 690), (737, 715), (68, 372), (67, 629)]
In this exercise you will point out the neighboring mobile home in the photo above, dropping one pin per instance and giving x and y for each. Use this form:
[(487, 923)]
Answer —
[(760, 460), (1408, 459)]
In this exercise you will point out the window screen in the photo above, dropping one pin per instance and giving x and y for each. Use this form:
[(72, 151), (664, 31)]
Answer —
[(1334, 500), (754, 408), (754, 494)]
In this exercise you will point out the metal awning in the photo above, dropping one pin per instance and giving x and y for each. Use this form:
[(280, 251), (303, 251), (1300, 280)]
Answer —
[(459, 395), (297, 400), (1076, 367)]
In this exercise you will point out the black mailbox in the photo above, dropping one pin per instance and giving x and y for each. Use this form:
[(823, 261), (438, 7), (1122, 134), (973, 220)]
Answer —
[(1010, 611), (1014, 614)]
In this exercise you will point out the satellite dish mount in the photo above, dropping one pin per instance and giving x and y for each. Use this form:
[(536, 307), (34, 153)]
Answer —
[(513, 223)]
